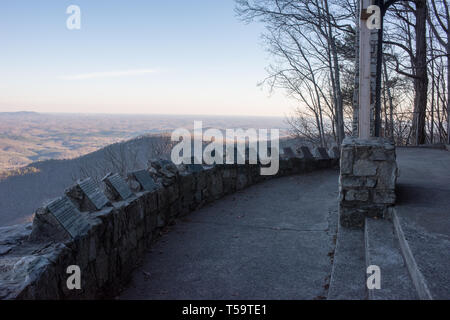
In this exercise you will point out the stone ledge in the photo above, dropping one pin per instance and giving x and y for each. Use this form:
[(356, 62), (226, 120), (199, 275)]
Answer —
[(34, 267)]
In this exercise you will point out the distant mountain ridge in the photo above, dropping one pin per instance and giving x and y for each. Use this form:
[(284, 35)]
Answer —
[(18, 112)]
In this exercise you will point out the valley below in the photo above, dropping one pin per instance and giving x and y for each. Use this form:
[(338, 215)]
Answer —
[(42, 154)]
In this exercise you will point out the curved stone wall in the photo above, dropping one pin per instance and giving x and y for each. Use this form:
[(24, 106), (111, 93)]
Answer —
[(111, 235)]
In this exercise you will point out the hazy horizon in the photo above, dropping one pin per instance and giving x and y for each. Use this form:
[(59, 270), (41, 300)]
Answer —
[(27, 137), (147, 114)]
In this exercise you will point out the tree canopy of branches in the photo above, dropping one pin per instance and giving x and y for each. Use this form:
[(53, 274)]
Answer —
[(314, 45), (306, 40)]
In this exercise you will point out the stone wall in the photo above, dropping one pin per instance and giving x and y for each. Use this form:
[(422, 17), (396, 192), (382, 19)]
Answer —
[(34, 257), (367, 180)]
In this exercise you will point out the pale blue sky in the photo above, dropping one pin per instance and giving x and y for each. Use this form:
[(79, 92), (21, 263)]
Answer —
[(134, 56)]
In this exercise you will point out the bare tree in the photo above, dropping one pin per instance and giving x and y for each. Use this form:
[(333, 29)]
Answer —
[(123, 157), (303, 37), (438, 18), (314, 44), (160, 145), (408, 21)]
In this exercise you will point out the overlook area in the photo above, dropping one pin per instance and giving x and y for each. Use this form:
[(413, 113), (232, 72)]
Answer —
[(248, 246), (226, 233), (225, 150)]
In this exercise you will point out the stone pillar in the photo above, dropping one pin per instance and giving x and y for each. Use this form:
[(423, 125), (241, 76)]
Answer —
[(367, 180)]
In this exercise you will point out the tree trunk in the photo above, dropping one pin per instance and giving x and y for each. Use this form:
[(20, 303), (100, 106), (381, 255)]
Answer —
[(421, 81), (448, 84), (432, 93), (355, 121), (337, 84), (391, 103)]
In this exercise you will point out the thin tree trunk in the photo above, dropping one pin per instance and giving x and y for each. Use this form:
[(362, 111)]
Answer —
[(448, 82), (391, 103), (337, 82), (421, 82), (433, 85), (355, 122)]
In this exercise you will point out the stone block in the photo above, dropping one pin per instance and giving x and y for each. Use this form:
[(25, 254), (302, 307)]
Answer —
[(334, 152), (346, 161), (288, 152), (379, 155), (305, 152), (200, 181), (357, 195), (351, 217), (352, 181), (371, 182), (387, 175), (321, 153), (242, 178), (163, 197), (215, 185), (364, 168), (384, 196)]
